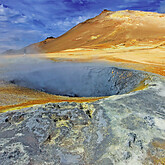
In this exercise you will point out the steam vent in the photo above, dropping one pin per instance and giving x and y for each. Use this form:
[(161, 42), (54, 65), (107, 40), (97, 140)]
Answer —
[(81, 81)]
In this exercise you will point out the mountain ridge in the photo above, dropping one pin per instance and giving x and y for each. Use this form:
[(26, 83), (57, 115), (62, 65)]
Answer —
[(109, 28)]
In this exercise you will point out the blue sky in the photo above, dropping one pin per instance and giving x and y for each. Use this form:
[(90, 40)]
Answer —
[(23, 22)]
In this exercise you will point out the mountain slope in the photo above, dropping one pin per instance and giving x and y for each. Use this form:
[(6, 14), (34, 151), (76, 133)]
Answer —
[(126, 28)]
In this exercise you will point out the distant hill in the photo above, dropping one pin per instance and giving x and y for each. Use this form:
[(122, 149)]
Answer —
[(125, 28)]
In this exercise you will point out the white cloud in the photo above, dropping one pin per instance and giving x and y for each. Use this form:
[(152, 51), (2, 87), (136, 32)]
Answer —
[(18, 38), (7, 12), (73, 21), (70, 22), (23, 22), (162, 7)]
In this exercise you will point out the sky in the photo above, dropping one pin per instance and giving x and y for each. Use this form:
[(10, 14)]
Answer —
[(23, 22)]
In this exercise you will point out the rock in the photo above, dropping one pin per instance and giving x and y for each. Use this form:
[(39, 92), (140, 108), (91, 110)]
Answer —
[(149, 120), (132, 138), (123, 129), (105, 161), (140, 144), (50, 37), (127, 155), (133, 122)]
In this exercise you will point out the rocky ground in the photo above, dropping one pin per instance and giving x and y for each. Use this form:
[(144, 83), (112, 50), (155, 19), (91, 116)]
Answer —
[(123, 129)]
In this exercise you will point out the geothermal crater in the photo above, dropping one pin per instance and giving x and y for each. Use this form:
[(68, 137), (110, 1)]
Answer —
[(80, 80)]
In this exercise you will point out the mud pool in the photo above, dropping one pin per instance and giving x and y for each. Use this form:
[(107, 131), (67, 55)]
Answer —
[(77, 79)]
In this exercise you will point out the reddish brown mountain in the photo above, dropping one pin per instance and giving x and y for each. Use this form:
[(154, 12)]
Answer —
[(124, 28)]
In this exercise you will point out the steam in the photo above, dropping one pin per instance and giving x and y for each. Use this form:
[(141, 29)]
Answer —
[(68, 79), (11, 66)]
